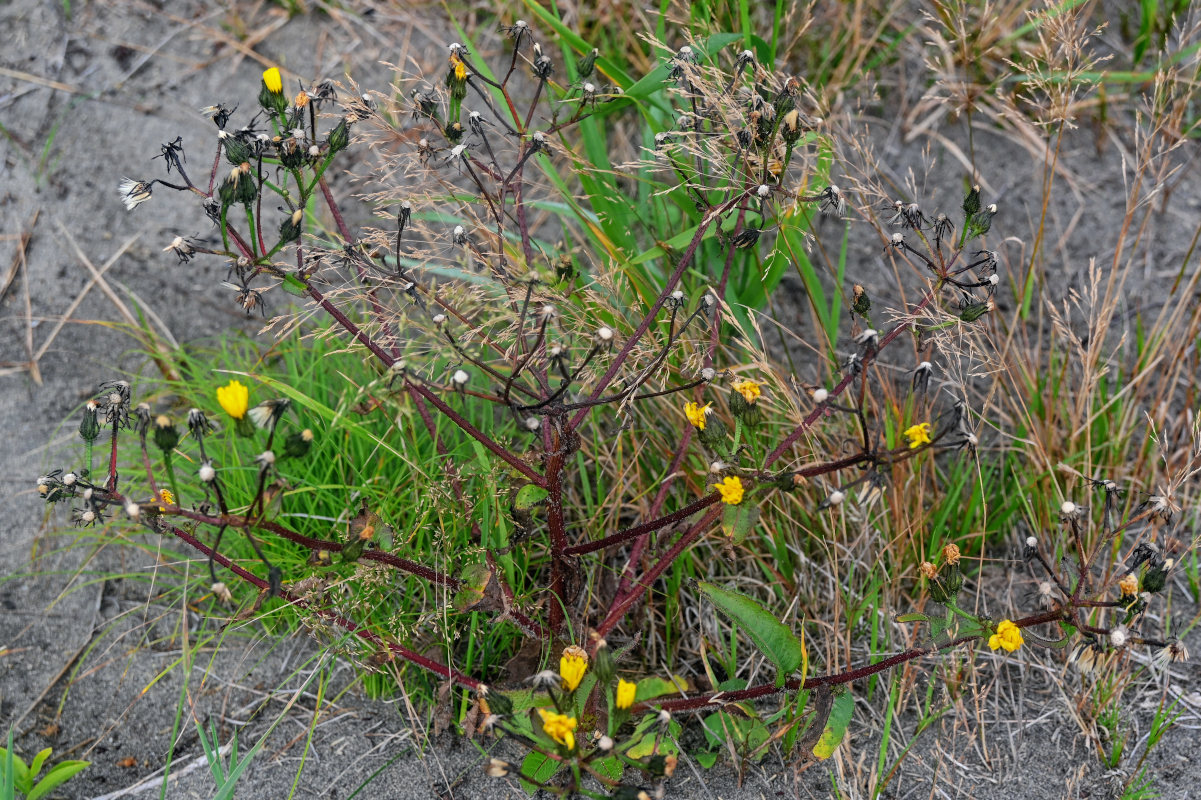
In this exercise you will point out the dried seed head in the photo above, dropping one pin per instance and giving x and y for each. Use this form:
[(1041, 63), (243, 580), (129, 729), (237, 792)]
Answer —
[(460, 377), (604, 334), (820, 396), (836, 497)]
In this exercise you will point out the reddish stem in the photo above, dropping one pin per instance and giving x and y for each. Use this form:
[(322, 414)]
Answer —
[(558, 533), (643, 528), (620, 609), (794, 684)]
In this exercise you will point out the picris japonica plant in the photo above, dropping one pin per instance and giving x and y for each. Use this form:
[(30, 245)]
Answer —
[(490, 316)]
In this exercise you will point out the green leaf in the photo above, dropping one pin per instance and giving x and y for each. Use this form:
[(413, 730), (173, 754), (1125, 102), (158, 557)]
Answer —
[(539, 768), (59, 774), (771, 636), (35, 766), (836, 726), (706, 760), (611, 767), (914, 617), (737, 521), (294, 286), (529, 496), (654, 686)]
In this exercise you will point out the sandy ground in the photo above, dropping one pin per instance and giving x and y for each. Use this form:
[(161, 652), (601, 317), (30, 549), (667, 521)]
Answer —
[(83, 657)]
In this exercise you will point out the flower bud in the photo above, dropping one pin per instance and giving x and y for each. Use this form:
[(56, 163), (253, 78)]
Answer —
[(290, 229), (165, 434), (89, 426)]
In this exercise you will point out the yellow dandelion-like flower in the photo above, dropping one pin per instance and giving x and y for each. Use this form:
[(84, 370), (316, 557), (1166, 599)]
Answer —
[(696, 414), (458, 66), (1008, 636), (749, 390), (731, 490), (559, 727), (166, 499), (234, 398), (1129, 585), (273, 81), (625, 694), (572, 666), (918, 435)]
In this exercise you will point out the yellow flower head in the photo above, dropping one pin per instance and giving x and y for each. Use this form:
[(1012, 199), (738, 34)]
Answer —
[(559, 727), (166, 498), (625, 694), (459, 68), (1129, 585), (273, 81), (1008, 636), (696, 414), (572, 666), (918, 435), (731, 490), (234, 398), (749, 390)]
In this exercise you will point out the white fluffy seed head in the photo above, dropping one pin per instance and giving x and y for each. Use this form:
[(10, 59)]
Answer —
[(604, 333), (897, 238), (1031, 541), (460, 230), (1068, 508), (925, 365), (1118, 637), (820, 395), (88, 516), (708, 374), (439, 319), (605, 744), (836, 497), (718, 467), (677, 295), (589, 88), (764, 190), (266, 457), (460, 377), (207, 473), (994, 279), (133, 509), (69, 479), (532, 424)]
